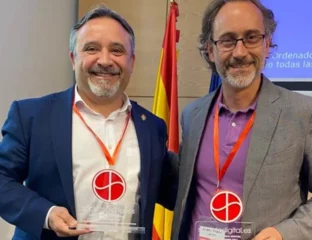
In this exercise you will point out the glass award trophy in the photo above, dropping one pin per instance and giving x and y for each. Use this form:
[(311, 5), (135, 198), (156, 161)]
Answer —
[(226, 210), (110, 212), (113, 218), (211, 229)]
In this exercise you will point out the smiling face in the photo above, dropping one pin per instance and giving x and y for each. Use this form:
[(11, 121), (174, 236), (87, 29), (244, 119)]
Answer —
[(103, 60), (241, 66)]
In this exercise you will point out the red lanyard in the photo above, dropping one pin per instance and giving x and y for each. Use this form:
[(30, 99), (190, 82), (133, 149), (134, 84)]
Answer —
[(243, 135), (111, 159)]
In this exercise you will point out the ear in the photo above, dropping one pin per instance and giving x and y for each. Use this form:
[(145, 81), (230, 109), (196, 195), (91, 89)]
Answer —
[(210, 51), (72, 59), (132, 62)]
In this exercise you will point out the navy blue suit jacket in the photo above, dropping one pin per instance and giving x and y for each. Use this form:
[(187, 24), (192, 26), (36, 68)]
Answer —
[(37, 149)]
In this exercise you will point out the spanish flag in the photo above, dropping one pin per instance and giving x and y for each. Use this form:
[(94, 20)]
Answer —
[(166, 107)]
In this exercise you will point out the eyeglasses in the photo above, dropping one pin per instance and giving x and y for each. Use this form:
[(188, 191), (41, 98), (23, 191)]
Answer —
[(251, 41)]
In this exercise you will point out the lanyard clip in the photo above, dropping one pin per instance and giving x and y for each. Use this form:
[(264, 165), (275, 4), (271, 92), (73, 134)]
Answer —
[(218, 185)]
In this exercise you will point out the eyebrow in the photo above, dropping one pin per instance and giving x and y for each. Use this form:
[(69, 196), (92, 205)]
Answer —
[(90, 43), (97, 44), (257, 31), (117, 44)]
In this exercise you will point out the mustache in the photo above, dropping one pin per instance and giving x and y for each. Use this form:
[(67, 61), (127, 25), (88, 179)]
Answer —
[(236, 62), (104, 70)]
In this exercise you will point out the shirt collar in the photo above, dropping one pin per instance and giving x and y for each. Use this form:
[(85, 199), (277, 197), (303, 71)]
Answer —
[(81, 104), (221, 105)]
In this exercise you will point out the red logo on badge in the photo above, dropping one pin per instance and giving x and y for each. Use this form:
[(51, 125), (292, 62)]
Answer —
[(226, 207), (108, 185)]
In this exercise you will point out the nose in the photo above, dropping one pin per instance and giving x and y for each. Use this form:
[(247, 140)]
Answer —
[(240, 51), (105, 58)]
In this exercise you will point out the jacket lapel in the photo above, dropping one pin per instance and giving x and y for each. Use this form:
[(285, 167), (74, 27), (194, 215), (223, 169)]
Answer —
[(61, 132), (193, 132), (198, 123), (267, 115), (143, 135)]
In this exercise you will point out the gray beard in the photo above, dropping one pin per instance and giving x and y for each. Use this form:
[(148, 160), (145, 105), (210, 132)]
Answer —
[(241, 81), (103, 88)]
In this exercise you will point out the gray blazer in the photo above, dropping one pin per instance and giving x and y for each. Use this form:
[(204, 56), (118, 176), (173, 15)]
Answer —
[(278, 171)]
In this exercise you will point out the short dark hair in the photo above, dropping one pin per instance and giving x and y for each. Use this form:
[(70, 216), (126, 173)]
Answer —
[(98, 12), (209, 18)]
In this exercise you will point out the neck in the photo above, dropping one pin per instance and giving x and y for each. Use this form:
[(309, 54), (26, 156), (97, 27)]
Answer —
[(238, 99), (101, 105)]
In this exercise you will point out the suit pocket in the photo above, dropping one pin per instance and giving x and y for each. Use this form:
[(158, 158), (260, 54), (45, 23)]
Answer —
[(281, 155)]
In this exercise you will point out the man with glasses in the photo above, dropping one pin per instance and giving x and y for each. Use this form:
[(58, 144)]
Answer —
[(246, 151)]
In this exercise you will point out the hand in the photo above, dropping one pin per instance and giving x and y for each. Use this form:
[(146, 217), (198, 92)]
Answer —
[(270, 233), (60, 220)]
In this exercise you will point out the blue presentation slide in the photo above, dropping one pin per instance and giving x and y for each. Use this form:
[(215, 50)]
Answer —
[(292, 59)]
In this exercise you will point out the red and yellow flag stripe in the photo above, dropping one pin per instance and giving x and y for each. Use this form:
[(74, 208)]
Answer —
[(166, 107)]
